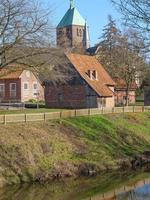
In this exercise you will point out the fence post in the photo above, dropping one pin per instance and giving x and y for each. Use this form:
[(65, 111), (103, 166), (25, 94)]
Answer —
[(133, 108), (25, 117), (89, 112), (123, 109), (75, 112), (60, 114), (44, 116), (113, 110), (143, 108), (5, 120)]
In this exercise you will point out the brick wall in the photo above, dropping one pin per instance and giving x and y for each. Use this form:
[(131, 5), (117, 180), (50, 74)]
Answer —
[(147, 96), (20, 94), (120, 97), (7, 97), (74, 96), (65, 96), (71, 36)]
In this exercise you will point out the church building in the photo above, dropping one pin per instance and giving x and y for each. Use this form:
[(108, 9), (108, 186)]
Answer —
[(89, 86), (73, 31)]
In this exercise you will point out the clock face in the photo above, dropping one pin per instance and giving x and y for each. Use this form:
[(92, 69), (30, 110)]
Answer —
[(28, 74)]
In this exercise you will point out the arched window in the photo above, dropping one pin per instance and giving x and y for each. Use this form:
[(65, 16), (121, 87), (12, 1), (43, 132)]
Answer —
[(77, 32), (80, 32)]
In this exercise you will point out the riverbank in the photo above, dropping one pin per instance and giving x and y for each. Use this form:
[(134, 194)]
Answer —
[(102, 187), (71, 147)]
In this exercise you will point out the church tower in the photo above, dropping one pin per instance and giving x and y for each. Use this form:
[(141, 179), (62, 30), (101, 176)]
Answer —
[(73, 31)]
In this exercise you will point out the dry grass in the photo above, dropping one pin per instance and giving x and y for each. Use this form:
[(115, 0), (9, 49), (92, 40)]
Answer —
[(41, 150)]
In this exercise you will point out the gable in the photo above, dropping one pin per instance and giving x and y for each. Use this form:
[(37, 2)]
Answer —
[(83, 63)]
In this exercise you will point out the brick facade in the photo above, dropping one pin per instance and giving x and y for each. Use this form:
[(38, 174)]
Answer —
[(7, 94), (71, 36), (20, 94), (147, 96), (75, 96), (90, 87), (120, 97), (65, 96)]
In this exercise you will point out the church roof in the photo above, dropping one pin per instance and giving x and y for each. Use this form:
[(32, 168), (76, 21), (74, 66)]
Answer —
[(72, 17)]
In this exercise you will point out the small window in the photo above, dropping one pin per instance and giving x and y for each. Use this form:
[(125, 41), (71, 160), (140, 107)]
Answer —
[(77, 32), (60, 97), (26, 87), (2, 90), (35, 86), (13, 90), (80, 32)]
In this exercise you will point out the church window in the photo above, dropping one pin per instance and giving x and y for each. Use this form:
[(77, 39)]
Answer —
[(80, 32), (77, 32)]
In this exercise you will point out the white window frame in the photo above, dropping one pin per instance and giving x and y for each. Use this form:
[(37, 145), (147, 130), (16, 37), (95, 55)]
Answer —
[(2, 84), (26, 91), (27, 86), (35, 91), (11, 91), (33, 86)]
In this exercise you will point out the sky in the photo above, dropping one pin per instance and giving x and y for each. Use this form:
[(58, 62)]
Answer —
[(95, 11)]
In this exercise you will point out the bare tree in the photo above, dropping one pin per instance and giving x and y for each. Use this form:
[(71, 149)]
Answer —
[(136, 14), (24, 28), (26, 39)]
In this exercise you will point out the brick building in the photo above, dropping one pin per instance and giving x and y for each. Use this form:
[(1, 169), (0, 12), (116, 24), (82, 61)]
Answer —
[(73, 31), (120, 92), (19, 85), (146, 89), (90, 86)]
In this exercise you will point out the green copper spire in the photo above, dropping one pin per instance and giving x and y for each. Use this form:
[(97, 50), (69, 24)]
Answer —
[(72, 17), (72, 4)]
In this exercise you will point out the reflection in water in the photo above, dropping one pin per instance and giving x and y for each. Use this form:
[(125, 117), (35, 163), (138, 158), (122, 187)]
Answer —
[(99, 188), (141, 193)]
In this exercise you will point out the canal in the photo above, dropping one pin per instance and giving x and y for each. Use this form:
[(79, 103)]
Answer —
[(110, 186)]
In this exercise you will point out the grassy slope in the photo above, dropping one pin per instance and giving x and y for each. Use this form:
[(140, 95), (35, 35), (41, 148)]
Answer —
[(39, 150)]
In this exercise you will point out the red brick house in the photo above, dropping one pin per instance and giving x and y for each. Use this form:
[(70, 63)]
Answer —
[(19, 86), (120, 92), (90, 87)]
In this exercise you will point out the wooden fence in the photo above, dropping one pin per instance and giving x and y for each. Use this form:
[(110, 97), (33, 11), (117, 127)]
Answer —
[(10, 118)]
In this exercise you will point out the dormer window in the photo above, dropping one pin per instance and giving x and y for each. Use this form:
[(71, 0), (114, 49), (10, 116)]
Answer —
[(90, 74), (93, 74)]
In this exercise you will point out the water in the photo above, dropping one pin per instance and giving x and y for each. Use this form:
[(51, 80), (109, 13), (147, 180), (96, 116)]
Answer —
[(105, 187), (139, 193)]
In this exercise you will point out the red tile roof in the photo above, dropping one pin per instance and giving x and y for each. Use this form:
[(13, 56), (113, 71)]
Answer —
[(83, 63), (10, 73), (121, 84)]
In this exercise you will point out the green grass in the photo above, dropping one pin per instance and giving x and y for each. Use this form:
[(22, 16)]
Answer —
[(44, 149), (113, 136)]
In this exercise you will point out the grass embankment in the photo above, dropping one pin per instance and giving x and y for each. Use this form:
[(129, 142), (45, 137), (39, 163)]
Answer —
[(40, 151)]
